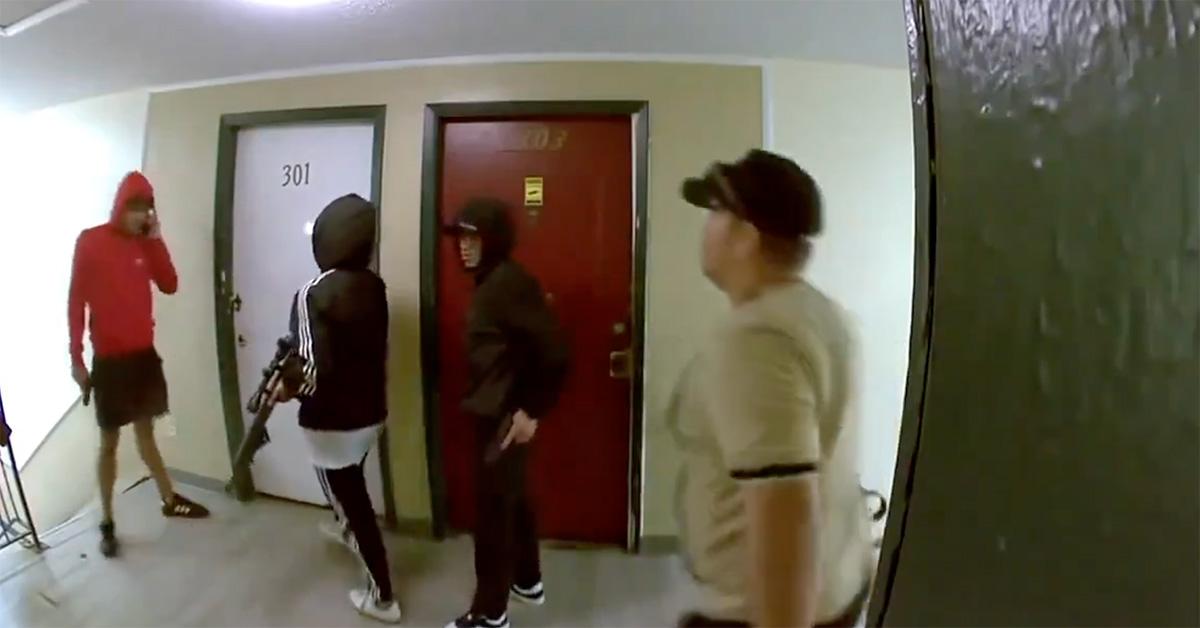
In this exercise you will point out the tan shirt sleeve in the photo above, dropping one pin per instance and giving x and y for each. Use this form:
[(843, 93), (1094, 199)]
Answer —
[(764, 406)]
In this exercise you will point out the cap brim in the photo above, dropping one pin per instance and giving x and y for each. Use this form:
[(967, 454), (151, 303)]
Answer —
[(458, 228), (701, 192)]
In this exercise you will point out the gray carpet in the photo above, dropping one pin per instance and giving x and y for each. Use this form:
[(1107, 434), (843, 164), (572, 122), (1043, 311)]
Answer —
[(264, 564)]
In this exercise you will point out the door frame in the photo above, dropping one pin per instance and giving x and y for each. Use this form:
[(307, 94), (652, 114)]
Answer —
[(223, 292), (436, 114)]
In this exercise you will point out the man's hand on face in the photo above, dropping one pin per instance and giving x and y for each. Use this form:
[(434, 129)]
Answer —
[(153, 228), (524, 427), (84, 380)]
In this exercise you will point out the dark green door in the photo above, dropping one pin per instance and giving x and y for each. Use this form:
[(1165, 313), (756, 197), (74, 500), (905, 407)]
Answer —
[(1048, 466)]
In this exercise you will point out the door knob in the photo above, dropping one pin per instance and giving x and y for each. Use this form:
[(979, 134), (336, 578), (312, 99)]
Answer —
[(620, 364), (241, 340), (235, 303)]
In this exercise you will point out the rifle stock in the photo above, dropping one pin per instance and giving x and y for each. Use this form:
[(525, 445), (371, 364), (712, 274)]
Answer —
[(256, 437), (261, 404)]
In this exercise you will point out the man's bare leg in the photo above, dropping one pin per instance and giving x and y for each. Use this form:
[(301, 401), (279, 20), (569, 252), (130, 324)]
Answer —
[(106, 468), (144, 431), (174, 504), (106, 472)]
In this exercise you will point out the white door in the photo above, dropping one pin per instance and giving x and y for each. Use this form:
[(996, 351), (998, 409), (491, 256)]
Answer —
[(284, 176)]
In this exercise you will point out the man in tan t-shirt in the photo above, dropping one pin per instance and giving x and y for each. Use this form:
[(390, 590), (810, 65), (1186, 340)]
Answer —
[(775, 529)]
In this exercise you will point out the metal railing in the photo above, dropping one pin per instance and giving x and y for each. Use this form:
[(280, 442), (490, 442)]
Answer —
[(16, 524)]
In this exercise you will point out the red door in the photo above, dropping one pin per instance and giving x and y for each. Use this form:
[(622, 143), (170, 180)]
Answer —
[(578, 243)]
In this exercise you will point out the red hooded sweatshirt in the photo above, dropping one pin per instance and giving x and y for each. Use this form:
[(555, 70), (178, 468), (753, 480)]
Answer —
[(110, 278)]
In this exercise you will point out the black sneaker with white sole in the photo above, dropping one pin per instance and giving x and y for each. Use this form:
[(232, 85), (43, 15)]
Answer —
[(477, 620), (109, 546), (534, 595), (183, 507)]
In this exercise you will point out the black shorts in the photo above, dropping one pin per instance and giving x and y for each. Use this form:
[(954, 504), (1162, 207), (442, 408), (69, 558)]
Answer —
[(128, 388)]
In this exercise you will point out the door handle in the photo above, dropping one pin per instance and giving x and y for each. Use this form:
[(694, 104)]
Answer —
[(241, 340), (235, 303), (620, 364)]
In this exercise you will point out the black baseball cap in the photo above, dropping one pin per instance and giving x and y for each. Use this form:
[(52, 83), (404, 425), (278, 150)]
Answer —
[(766, 190), (477, 214)]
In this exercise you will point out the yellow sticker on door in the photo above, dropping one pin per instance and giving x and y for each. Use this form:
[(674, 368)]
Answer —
[(534, 188)]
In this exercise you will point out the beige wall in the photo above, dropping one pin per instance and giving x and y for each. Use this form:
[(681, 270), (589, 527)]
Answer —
[(851, 127), (698, 113)]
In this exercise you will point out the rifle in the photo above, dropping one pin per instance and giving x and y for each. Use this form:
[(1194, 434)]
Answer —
[(260, 405)]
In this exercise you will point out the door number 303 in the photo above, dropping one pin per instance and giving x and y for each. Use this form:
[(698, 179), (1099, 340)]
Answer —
[(542, 137), (295, 175)]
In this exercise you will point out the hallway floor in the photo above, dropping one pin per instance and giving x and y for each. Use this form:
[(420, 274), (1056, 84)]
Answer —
[(265, 564)]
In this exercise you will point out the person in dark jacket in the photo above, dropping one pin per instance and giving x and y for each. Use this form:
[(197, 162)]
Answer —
[(340, 323), (517, 362), (115, 269)]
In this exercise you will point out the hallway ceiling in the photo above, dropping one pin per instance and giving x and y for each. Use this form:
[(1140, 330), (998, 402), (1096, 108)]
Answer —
[(106, 46)]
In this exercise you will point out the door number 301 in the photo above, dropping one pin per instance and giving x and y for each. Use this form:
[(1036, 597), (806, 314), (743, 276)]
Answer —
[(295, 175)]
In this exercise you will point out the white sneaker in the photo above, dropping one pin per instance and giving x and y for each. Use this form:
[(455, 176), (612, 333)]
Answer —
[(334, 531), (365, 603), (535, 595)]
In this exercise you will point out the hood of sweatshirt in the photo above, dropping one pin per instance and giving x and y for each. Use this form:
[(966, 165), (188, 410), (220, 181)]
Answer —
[(134, 187), (344, 234)]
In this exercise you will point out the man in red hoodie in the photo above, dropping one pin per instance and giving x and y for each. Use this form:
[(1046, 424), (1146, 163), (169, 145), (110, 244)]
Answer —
[(111, 278)]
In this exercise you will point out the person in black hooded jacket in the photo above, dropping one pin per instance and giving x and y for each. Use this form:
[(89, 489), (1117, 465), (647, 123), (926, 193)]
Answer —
[(517, 361), (340, 323)]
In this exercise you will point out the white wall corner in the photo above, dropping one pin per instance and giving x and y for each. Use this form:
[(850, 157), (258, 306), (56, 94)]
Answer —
[(768, 108)]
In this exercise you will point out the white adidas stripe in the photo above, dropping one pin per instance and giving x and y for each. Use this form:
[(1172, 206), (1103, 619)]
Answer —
[(352, 540), (307, 351)]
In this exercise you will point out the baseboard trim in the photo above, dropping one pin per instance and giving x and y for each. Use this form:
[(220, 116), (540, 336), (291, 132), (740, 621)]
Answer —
[(660, 544), (412, 527), (197, 480)]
